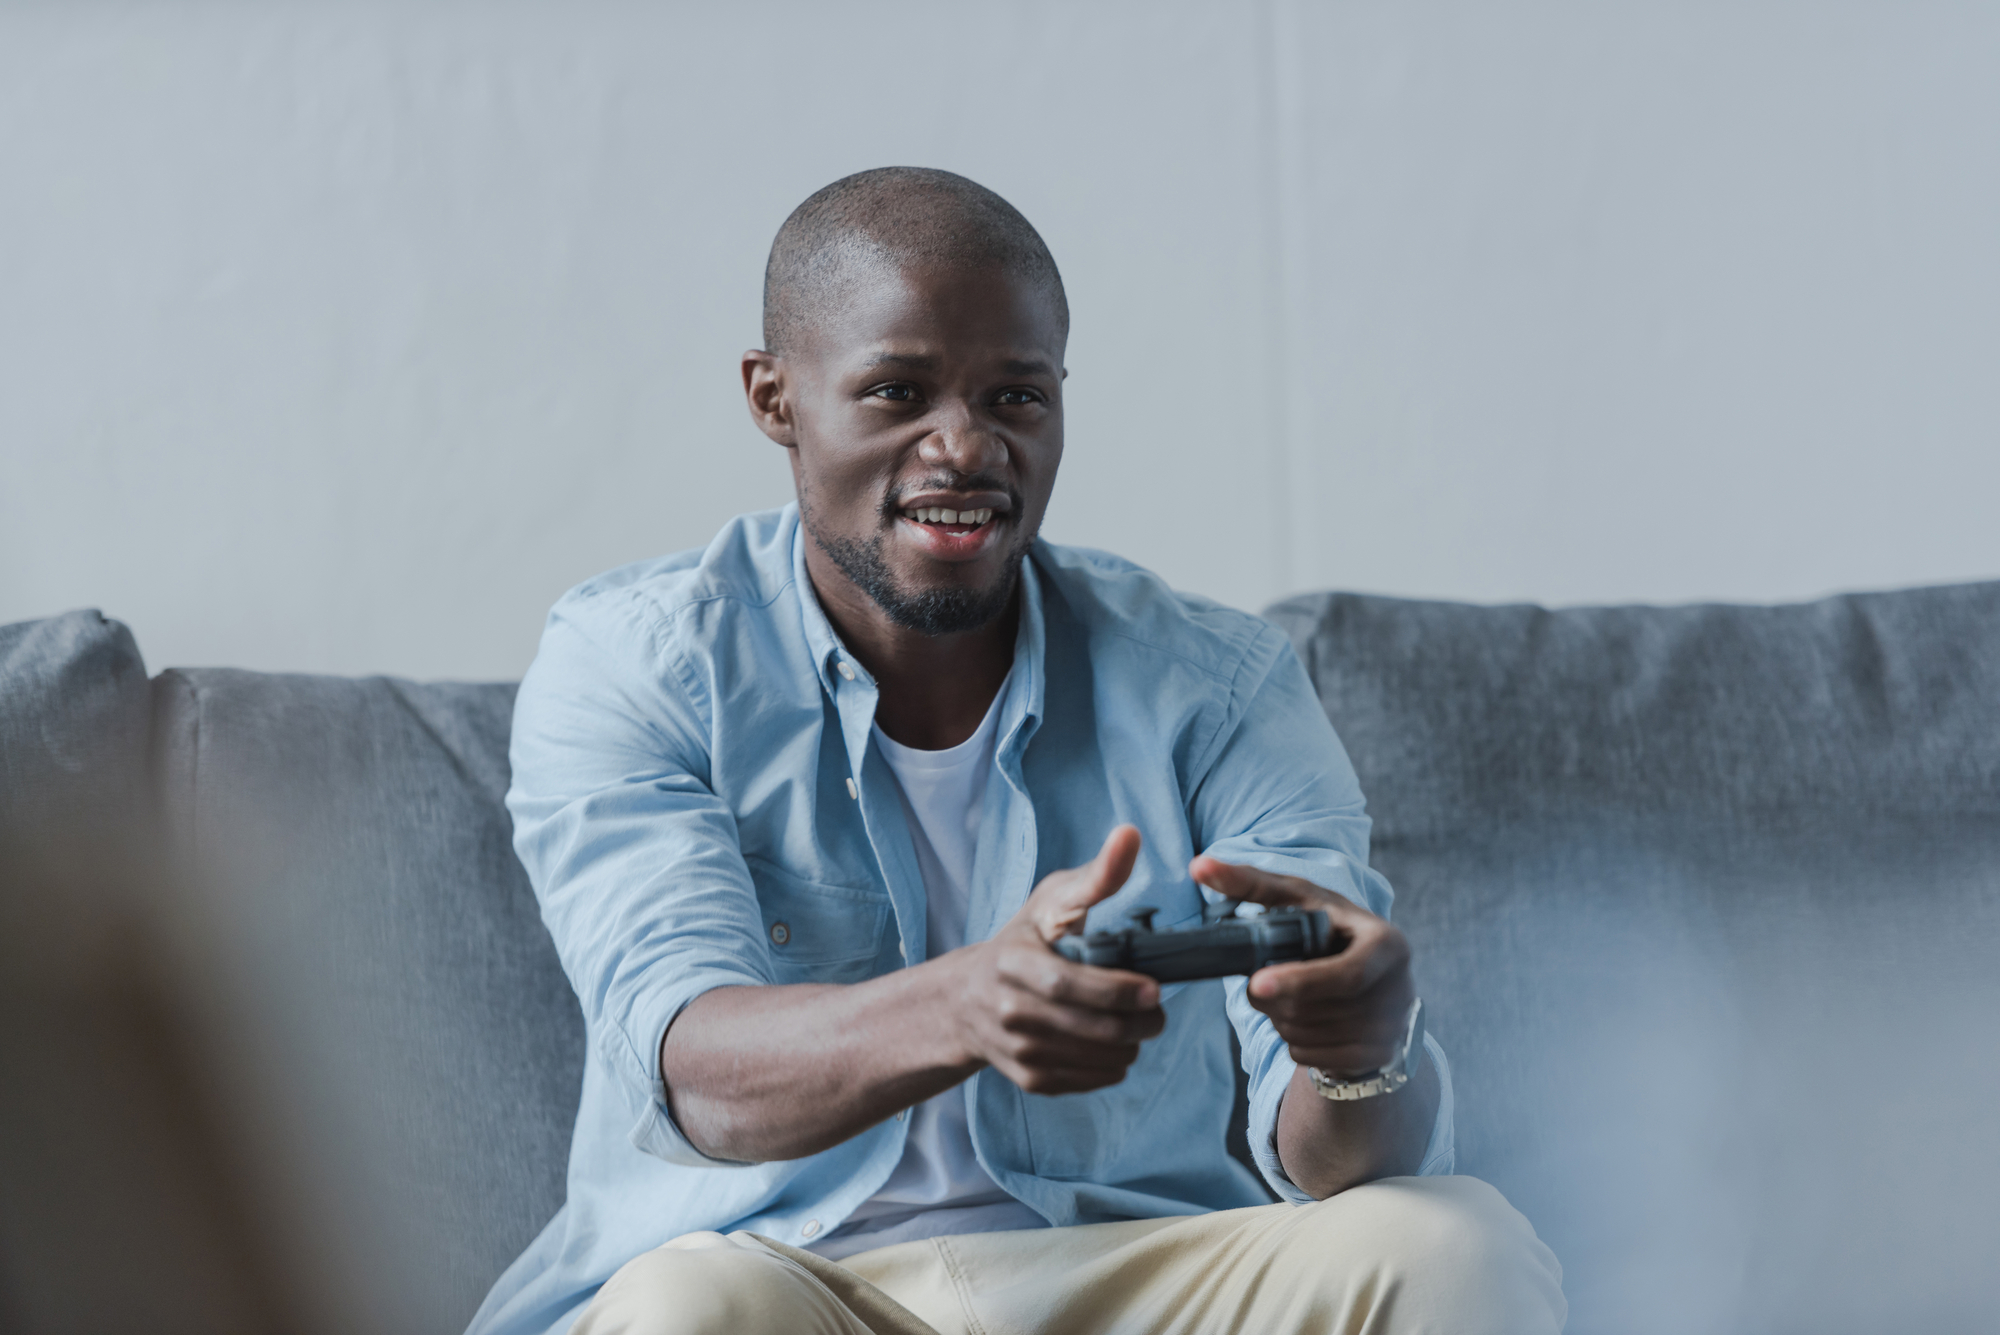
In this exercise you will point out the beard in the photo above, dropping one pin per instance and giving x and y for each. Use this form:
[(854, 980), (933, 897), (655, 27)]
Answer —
[(925, 611)]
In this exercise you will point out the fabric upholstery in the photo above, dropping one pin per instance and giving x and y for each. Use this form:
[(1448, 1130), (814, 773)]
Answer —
[(359, 891), (1690, 888), (1705, 901), (72, 734)]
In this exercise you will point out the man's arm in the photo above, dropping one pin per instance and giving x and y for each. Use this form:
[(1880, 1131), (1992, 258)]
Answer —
[(781, 1072), (644, 889), (1279, 814), (1327, 1146)]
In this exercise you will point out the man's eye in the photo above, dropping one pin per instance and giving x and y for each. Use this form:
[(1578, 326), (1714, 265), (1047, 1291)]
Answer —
[(1018, 396), (896, 393)]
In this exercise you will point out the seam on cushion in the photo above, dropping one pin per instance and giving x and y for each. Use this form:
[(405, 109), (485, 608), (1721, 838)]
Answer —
[(178, 815), (195, 847)]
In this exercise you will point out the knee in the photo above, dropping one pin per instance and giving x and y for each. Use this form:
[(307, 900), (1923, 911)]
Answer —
[(700, 1284), (1442, 1248)]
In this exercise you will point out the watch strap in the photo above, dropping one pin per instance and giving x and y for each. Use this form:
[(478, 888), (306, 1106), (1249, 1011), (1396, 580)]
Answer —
[(1385, 1081)]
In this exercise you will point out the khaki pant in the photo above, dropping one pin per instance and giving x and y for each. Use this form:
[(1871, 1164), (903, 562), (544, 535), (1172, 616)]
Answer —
[(1441, 1254)]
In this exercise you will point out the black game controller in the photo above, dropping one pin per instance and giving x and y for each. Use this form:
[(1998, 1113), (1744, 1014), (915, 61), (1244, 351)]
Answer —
[(1223, 944)]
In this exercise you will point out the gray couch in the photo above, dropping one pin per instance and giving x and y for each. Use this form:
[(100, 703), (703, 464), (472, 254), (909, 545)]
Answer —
[(1705, 902)]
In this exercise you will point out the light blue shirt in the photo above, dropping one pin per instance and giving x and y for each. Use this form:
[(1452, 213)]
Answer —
[(698, 804)]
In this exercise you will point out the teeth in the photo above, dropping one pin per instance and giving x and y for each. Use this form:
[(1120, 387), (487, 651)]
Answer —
[(937, 514)]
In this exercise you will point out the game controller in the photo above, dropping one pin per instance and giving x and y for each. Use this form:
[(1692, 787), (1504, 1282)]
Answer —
[(1222, 945)]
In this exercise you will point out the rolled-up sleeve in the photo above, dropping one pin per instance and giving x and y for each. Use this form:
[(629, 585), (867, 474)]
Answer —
[(635, 861), (1280, 794)]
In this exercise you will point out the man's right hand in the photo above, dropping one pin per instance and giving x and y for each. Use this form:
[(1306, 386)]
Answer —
[(1048, 1025), (784, 1071)]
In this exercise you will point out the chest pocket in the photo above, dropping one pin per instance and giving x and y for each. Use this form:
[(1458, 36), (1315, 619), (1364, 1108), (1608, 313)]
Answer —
[(818, 933)]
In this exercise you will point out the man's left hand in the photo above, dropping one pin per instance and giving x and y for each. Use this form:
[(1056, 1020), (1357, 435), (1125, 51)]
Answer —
[(1346, 1013)]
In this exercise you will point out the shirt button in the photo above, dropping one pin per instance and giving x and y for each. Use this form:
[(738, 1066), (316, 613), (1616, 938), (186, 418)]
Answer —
[(780, 933), (847, 670), (899, 1116), (811, 1230), (852, 791)]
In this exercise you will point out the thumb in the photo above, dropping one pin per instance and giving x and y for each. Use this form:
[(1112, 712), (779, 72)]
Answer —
[(1060, 901)]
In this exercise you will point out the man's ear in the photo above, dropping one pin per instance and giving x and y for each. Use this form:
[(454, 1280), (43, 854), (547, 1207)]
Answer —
[(767, 389)]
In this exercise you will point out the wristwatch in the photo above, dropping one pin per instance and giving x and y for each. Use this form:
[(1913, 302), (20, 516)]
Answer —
[(1385, 1081)]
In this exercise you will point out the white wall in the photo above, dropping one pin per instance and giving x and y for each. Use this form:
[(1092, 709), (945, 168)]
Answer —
[(344, 338)]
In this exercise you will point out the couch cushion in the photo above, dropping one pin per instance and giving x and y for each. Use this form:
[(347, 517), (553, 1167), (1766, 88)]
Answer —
[(72, 738), (373, 947), (1703, 901)]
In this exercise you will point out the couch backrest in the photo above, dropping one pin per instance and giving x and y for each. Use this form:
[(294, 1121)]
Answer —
[(1704, 901), (374, 953)]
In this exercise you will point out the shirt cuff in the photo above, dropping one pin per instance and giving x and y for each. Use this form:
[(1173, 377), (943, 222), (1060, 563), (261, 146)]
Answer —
[(632, 1052)]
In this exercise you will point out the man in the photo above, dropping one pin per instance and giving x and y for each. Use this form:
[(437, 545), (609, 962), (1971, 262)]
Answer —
[(806, 809)]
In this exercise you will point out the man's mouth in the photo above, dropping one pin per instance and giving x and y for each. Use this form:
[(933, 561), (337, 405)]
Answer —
[(945, 518)]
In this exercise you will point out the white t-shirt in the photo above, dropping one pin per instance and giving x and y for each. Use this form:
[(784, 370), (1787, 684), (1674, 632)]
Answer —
[(938, 1187)]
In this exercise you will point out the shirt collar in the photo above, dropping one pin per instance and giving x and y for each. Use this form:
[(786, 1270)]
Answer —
[(1024, 695)]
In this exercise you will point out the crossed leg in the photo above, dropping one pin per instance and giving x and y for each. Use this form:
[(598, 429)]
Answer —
[(1396, 1257)]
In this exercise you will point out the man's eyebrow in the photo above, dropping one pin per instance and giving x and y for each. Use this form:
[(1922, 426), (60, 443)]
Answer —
[(909, 360), (915, 361)]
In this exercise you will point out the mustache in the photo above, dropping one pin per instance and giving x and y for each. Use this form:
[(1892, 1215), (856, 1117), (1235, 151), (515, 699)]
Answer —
[(892, 502)]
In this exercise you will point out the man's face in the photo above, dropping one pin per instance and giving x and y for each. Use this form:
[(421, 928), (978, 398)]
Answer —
[(924, 418)]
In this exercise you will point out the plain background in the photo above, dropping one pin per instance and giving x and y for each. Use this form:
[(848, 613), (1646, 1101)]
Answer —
[(344, 338)]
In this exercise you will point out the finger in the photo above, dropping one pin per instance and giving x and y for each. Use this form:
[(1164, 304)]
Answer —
[(1029, 1037), (1045, 973), (1374, 951), (1085, 1027), (1020, 1009), (1270, 889), (1058, 1050), (1058, 905)]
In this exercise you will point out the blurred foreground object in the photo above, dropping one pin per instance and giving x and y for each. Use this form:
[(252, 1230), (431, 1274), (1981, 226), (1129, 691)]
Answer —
[(121, 1206), (1703, 900)]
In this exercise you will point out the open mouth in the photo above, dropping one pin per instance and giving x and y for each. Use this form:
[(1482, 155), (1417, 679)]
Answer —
[(948, 520)]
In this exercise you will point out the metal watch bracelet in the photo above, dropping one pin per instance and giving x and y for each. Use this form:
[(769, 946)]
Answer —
[(1385, 1081)]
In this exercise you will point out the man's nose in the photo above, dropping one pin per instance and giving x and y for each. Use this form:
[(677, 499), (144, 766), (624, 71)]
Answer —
[(961, 441)]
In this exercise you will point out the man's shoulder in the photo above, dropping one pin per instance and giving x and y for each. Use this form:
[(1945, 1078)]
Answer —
[(1119, 603), (747, 566)]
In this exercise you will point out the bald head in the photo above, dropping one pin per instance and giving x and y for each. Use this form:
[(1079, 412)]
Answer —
[(893, 218)]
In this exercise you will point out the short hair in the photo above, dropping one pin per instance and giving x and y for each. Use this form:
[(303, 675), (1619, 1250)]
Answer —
[(898, 216)]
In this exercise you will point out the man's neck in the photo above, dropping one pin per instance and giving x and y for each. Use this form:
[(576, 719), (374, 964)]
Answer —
[(933, 689)]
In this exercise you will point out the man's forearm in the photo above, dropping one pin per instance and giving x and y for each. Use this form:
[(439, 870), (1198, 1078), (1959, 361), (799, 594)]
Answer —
[(1327, 1146), (781, 1072)]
